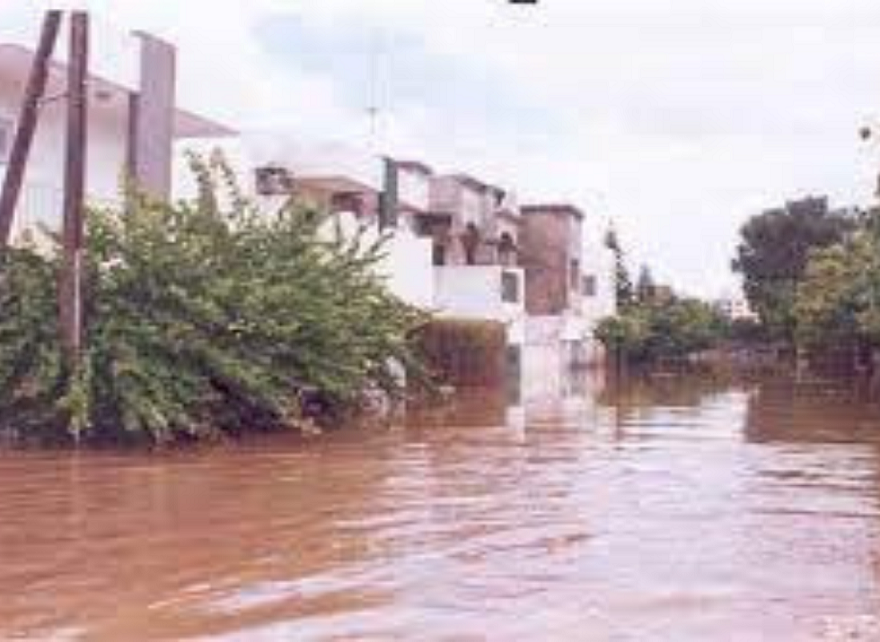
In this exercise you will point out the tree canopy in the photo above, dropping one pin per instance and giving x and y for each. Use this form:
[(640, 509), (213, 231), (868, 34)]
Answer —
[(838, 302), (623, 287), (773, 254), (661, 329)]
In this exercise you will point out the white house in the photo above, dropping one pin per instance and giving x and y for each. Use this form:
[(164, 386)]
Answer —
[(348, 181), (473, 227), (599, 295), (120, 142)]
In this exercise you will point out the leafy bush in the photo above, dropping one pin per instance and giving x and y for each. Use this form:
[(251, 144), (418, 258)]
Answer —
[(661, 330), (838, 302), (203, 318)]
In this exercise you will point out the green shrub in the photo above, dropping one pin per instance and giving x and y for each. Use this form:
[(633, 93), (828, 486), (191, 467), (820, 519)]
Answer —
[(202, 318), (662, 330)]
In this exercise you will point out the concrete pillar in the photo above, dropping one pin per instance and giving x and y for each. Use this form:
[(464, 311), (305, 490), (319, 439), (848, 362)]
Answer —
[(151, 118)]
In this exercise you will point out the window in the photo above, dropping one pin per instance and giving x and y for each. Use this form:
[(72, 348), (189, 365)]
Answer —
[(470, 241), (510, 287), (439, 254), (6, 135), (574, 272), (589, 285), (506, 250), (273, 180)]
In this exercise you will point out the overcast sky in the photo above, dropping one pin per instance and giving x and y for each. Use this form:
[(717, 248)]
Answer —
[(677, 119)]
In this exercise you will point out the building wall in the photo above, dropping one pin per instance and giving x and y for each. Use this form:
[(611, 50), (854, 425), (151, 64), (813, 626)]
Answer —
[(449, 194), (737, 308), (406, 264), (475, 292), (414, 189), (545, 252), (44, 178), (409, 270), (598, 262)]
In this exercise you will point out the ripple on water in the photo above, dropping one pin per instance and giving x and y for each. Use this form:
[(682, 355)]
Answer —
[(682, 509)]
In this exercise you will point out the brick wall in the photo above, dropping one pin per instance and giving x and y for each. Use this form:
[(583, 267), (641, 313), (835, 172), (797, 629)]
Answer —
[(549, 242)]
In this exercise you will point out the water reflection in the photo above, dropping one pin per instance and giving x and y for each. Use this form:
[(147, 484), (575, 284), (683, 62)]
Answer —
[(679, 508)]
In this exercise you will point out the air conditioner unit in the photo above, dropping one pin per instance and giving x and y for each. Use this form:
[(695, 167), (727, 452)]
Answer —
[(273, 180)]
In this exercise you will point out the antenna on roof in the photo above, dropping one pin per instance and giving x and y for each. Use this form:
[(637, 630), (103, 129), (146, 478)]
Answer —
[(375, 97)]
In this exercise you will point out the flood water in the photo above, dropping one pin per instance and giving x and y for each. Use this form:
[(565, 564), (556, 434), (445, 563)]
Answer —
[(672, 509)]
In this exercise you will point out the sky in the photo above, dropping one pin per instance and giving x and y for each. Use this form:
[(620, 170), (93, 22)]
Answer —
[(676, 120)]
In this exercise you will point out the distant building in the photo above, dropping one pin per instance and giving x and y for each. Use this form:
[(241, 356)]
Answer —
[(663, 293), (736, 308)]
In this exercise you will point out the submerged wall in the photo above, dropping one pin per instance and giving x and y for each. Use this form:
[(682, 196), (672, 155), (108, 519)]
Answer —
[(465, 352)]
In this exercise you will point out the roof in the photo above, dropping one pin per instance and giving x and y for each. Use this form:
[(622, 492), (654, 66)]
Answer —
[(564, 209), (108, 96), (507, 215), (414, 166), (334, 165), (470, 181)]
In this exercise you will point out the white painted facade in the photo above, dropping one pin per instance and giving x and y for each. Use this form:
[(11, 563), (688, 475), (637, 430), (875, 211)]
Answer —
[(107, 151), (599, 297), (323, 168), (414, 190), (406, 264), (476, 292), (41, 197), (408, 268)]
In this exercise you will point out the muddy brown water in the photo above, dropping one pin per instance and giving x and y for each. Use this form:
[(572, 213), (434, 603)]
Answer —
[(674, 509)]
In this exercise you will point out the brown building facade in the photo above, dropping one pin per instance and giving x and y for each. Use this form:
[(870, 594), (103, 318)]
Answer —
[(550, 253)]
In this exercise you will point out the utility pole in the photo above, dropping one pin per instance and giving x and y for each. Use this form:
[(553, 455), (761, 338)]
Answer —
[(70, 280), (27, 124)]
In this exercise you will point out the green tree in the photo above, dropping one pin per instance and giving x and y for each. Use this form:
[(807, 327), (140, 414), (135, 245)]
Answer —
[(662, 330), (838, 302), (773, 253), (645, 287), (622, 283)]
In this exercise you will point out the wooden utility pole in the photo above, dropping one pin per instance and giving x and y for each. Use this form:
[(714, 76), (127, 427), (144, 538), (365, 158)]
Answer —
[(70, 281), (27, 124)]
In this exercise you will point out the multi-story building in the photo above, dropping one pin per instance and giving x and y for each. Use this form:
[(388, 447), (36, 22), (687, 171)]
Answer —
[(458, 246), (352, 184), (551, 253), (473, 228)]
